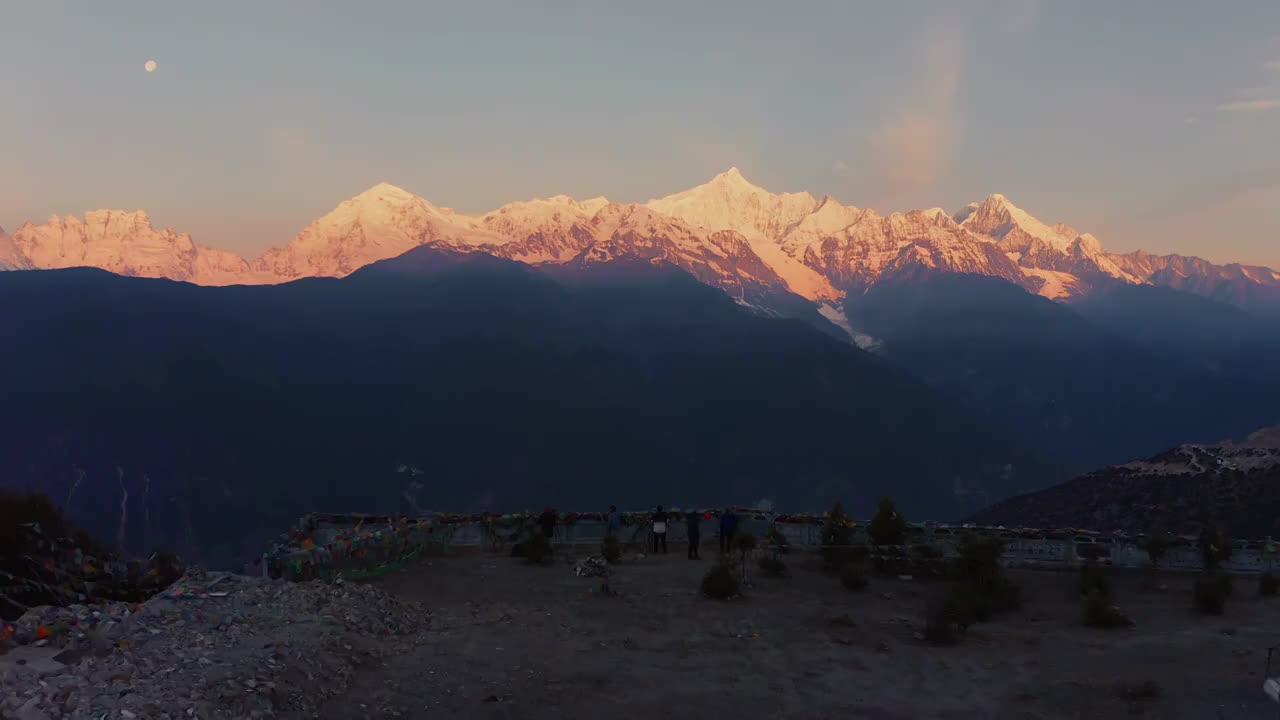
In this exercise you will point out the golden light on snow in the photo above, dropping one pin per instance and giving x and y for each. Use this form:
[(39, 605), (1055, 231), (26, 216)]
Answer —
[(150, 65)]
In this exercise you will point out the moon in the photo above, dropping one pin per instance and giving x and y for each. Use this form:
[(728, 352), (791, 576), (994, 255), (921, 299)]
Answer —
[(150, 65)]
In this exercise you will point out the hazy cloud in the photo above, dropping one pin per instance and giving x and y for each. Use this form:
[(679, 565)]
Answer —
[(1210, 194), (1250, 105), (1263, 92), (915, 145), (1019, 15), (290, 137), (1273, 65), (840, 166)]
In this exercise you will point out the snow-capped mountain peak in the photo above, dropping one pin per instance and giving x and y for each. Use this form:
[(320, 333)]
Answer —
[(10, 257), (999, 218), (730, 202), (126, 243), (379, 223), (734, 179), (727, 231)]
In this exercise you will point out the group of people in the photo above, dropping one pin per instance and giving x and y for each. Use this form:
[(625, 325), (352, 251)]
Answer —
[(693, 529), (660, 521)]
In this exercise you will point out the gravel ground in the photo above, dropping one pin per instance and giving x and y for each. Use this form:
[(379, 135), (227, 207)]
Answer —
[(509, 640), (493, 637), (214, 646)]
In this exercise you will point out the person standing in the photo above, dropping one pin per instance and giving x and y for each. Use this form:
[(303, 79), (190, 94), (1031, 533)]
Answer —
[(728, 528), (695, 533), (613, 522), (660, 531), (548, 522)]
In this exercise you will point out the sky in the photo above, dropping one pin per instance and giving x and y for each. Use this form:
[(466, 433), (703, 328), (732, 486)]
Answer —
[(1151, 123)]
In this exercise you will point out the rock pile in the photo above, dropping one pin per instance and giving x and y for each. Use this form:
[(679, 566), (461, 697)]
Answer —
[(211, 646), (591, 567)]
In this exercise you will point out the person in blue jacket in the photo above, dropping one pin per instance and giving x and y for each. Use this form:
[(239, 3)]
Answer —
[(728, 528), (613, 522)]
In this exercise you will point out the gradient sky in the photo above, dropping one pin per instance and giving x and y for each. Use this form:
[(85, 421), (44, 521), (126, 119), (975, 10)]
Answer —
[(1151, 123)]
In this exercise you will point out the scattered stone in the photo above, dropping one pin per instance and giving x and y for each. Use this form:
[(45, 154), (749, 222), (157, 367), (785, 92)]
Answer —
[(591, 567), (251, 648)]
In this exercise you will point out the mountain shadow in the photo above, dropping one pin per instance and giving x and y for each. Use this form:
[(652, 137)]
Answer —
[(207, 419), (1090, 392)]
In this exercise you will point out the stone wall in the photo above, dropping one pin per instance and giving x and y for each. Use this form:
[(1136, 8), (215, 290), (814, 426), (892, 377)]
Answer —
[(357, 545)]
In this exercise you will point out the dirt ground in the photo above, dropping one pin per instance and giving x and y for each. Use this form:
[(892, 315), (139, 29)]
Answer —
[(512, 640)]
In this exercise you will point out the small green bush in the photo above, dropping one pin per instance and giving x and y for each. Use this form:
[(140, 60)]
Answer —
[(1211, 593), (1214, 548), (854, 578), (611, 549), (979, 557), (537, 547), (1100, 612), (892, 560), (777, 540), (1157, 546), (1268, 584), (772, 566), (980, 588), (1094, 579), (926, 552), (720, 583), (837, 535), (1093, 552), (939, 623), (888, 527)]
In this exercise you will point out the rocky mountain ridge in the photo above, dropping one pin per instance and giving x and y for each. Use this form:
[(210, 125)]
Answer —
[(730, 233), (1233, 485)]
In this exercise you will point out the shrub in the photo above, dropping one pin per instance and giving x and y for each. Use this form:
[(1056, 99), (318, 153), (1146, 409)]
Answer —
[(1094, 579), (837, 535), (1156, 546), (745, 543), (777, 541), (1211, 592), (979, 557), (854, 578), (537, 547), (720, 583), (1092, 552), (1214, 548), (939, 623), (980, 588), (963, 605), (1099, 612), (892, 560), (611, 549), (1268, 584), (772, 566), (888, 527), (926, 552)]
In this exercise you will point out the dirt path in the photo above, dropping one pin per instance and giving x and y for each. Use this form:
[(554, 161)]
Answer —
[(515, 641)]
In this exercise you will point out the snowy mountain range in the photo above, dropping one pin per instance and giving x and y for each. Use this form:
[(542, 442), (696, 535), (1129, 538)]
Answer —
[(756, 245)]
